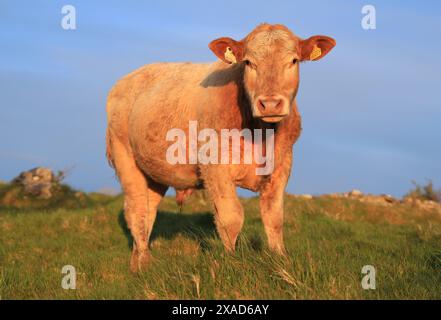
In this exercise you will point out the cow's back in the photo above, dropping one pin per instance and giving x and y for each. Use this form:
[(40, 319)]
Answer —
[(158, 82)]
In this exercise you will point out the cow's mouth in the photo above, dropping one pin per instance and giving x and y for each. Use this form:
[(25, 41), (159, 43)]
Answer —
[(273, 118)]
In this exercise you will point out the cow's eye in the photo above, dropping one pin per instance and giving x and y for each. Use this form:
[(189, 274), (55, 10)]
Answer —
[(294, 61), (248, 63)]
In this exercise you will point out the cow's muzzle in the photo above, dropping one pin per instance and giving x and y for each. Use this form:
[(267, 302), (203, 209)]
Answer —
[(271, 108)]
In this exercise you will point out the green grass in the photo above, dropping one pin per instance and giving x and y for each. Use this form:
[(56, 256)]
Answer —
[(328, 242)]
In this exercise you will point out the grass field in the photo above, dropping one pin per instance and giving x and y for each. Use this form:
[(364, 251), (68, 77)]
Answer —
[(328, 242)]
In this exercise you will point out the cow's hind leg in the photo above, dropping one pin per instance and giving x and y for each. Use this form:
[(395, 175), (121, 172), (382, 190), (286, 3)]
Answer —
[(141, 257), (142, 197)]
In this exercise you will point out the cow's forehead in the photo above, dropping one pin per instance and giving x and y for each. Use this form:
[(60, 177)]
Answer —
[(270, 40)]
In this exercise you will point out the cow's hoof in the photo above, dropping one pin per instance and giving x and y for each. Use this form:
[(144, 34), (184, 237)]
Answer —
[(140, 262), (144, 260), (134, 267)]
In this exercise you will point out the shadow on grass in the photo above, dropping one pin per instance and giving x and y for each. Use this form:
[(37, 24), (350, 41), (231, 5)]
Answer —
[(168, 225), (433, 260)]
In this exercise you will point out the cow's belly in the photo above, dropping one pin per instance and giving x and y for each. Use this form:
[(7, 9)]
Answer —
[(151, 157), (179, 176), (150, 121)]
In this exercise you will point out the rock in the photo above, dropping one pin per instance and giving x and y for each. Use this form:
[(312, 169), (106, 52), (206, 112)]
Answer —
[(422, 204), (389, 199), (429, 204), (381, 200), (334, 195), (355, 193), (37, 182)]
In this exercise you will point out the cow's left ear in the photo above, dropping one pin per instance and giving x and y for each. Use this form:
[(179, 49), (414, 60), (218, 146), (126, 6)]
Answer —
[(316, 47), (227, 49)]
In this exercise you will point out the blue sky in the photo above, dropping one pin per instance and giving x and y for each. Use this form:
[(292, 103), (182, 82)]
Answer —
[(371, 109)]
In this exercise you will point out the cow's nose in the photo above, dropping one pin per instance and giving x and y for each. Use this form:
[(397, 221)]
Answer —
[(269, 105)]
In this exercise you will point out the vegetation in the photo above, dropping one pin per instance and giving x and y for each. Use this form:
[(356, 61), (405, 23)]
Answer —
[(13, 196), (328, 241), (426, 192)]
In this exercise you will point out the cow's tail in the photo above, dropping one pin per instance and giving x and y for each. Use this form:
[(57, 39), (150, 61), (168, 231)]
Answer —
[(109, 149)]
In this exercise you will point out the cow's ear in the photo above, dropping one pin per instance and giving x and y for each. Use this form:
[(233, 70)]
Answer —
[(227, 49), (316, 47)]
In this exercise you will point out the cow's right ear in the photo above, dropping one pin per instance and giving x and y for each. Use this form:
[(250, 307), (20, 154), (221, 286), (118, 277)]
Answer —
[(227, 49)]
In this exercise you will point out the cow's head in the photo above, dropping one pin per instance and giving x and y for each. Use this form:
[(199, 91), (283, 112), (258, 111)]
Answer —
[(271, 55)]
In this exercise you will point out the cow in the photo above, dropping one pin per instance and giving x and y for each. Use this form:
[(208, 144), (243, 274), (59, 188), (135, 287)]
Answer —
[(253, 85)]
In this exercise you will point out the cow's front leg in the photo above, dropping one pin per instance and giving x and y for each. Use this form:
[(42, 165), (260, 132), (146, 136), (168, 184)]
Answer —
[(271, 210), (271, 205), (229, 214)]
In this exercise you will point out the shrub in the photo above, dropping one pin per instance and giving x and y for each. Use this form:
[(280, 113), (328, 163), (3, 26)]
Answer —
[(426, 192)]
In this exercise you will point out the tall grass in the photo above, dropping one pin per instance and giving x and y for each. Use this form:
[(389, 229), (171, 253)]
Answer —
[(328, 242)]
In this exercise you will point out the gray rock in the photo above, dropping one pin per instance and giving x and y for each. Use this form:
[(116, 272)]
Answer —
[(355, 193), (37, 182)]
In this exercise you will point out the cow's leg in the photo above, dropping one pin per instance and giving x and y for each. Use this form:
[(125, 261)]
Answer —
[(141, 254), (229, 214), (141, 200), (271, 205), (271, 210)]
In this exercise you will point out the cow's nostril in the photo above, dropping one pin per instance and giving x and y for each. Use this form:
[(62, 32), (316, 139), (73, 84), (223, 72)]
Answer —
[(270, 104)]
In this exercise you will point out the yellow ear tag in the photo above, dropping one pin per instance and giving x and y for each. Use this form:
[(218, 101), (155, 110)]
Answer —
[(229, 55), (315, 53)]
